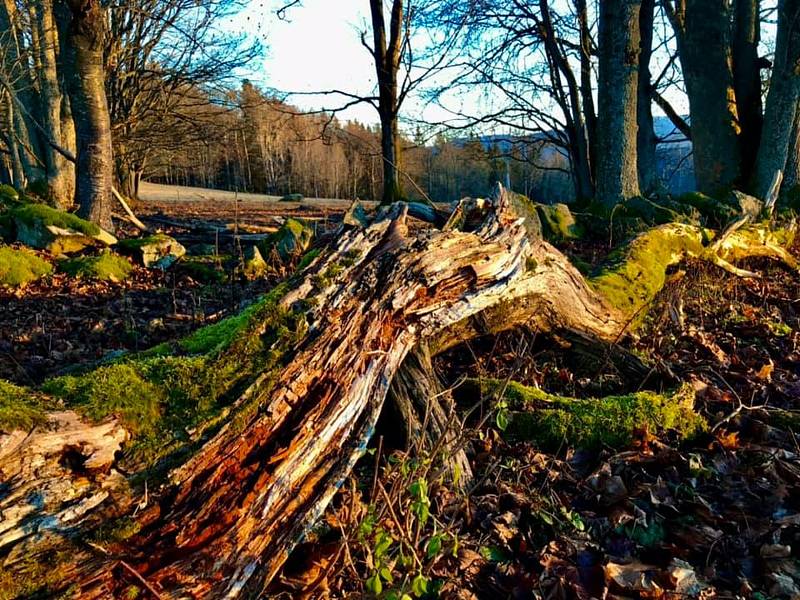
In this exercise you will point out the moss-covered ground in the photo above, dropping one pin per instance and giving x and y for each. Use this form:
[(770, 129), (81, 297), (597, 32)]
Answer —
[(19, 266), (106, 266)]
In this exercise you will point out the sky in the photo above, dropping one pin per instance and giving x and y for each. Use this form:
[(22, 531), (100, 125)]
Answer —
[(316, 48)]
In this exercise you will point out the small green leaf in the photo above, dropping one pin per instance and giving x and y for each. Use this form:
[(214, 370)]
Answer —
[(502, 420), (419, 586), (434, 546), (374, 585), (493, 554), (386, 574)]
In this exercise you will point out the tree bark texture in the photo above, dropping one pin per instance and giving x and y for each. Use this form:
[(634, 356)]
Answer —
[(646, 137), (747, 78), (86, 81), (59, 172), (703, 36), (782, 99), (386, 55), (619, 48)]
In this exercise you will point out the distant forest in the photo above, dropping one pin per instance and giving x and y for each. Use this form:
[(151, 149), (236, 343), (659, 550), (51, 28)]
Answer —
[(255, 143)]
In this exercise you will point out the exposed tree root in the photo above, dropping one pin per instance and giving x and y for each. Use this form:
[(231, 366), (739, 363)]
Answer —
[(327, 353)]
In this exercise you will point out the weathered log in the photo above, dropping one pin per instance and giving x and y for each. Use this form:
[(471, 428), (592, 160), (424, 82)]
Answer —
[(231, 514)]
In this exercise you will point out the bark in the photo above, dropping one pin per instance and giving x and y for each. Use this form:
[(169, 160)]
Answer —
[(791, 177), (782, 99), (703, 37), (747, 79), (617, 175), (86, 82), (229, 517), (428, 415), (646, 137), (17, 170), (386, 55), (59, 177)]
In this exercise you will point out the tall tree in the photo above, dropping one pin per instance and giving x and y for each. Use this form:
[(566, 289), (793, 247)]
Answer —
[(619, 47), (782, 99), (646, 137), (59, 172), (747, 78), (702, 30), (85, 74), (386, 52)]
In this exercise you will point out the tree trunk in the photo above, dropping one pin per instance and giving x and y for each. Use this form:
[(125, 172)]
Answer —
[(747, 79), (646, 137), (619, 44), (782, 99), (86, 81), (17, 170), (704, 47), (386, 55), (791, 176), (59, 176), (390, 152)]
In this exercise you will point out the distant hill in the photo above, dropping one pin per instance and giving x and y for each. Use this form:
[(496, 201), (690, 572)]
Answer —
[(673, 156)]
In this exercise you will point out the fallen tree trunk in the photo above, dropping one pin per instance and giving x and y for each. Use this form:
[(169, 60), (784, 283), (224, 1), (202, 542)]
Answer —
[(230, 515)]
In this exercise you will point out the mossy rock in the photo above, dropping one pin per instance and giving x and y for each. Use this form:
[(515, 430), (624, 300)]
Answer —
[(9, 196), (205, 269), (19, 267), (558, 223), (56, 231), (716, 212), (292, 198), (104, 267), (253, 264), (155, 251), (201, 250), (292, 239), (18, 409), (552, 421)]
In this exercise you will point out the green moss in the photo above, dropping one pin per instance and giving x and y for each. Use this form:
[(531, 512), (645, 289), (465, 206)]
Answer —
[(105, 267), (203, 268), (115, 531), (293, 238), (553, 421), (221, 335), (8, 195), (558, 222), (633, 275), (19, 408), (308, 258), (34, 577), (119, 390), (138, 243), (33, 214), (19, 267)]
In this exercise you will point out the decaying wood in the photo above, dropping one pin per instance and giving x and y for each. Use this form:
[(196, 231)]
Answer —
[(56, 475), (231, 515)]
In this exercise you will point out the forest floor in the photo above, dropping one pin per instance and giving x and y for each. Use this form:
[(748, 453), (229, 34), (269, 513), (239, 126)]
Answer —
[(717, 516)]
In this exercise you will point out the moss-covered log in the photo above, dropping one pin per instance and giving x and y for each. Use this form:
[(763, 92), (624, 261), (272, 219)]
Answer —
[(555, 422), (267, 412)]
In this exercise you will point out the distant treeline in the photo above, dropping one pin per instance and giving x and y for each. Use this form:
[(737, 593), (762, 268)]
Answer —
[(264, 145)]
